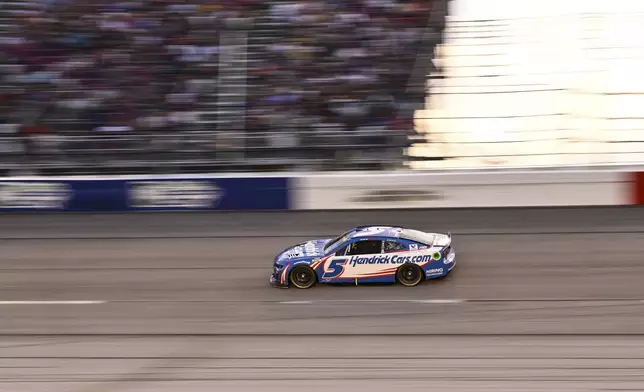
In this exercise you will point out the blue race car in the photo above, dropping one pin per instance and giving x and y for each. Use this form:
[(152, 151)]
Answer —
[(366, 254)]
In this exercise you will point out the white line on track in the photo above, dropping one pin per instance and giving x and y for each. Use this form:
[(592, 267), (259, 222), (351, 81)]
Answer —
[(439, 301), (413, 301), (52, 302)]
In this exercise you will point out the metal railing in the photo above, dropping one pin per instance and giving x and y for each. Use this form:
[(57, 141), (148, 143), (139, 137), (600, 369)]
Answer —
[(201, 151)]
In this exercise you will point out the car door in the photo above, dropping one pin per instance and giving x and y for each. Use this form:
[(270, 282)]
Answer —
[(352, 260), (365, 258), (334, 267)]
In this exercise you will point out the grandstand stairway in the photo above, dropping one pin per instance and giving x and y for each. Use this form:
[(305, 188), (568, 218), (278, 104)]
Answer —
[(232, 86)]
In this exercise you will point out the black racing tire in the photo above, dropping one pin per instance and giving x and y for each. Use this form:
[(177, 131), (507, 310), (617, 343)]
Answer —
[(302, 277), (409, 275)]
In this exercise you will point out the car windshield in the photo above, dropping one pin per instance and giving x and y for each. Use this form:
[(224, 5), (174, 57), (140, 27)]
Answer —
[(338, 240)]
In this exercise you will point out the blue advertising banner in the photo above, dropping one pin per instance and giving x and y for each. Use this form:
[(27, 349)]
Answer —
[(164, 194)]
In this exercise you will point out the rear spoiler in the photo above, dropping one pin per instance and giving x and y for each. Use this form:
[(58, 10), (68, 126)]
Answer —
[(449, 236), (449, 240)]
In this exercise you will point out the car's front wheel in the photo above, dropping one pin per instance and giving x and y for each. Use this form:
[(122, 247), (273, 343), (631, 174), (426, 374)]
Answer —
[(302, 277), (409, 275)]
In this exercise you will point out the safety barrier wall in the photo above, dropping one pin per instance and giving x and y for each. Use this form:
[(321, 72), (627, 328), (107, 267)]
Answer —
[(149, 193), (336, 191), (454, 190)]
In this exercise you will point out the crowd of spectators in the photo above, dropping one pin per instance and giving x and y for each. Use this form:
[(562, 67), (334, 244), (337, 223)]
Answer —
[(79, 78)]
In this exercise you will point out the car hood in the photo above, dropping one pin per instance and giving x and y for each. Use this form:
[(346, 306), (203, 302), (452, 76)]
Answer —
[(304, 250)]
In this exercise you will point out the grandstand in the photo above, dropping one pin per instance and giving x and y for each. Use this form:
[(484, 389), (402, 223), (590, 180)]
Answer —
[(149, 86), (529, 84)]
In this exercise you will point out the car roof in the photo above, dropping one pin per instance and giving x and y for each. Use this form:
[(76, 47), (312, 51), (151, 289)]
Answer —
[(391, 232), (376, 231)]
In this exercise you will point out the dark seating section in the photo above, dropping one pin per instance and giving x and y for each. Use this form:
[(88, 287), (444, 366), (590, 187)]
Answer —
[(155, 86)]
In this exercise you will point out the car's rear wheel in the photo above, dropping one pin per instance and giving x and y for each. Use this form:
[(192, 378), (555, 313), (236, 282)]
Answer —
[(302, 277), (409, 275)]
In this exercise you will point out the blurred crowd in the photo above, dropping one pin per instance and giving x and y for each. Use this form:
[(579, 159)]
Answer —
[(80, 76)]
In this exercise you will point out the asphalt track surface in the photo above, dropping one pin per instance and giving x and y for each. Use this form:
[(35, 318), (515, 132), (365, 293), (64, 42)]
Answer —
[(541, 300)]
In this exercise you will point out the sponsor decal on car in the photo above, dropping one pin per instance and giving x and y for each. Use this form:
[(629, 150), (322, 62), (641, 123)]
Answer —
[(393, 259), (434, 272)]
